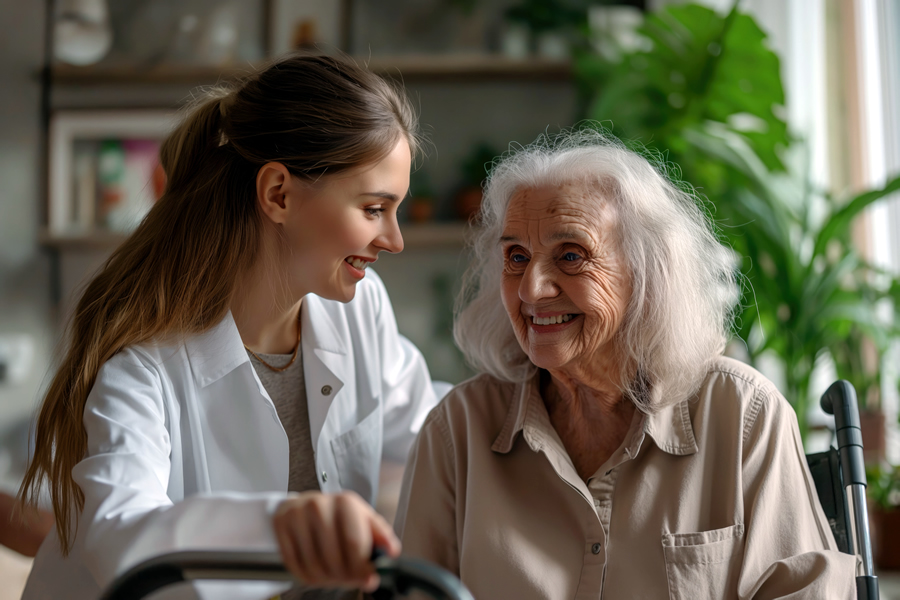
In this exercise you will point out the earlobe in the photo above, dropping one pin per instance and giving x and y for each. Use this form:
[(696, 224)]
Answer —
[(273, 182)]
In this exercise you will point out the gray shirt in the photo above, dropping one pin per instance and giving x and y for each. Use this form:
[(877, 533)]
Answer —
[(288, 393)]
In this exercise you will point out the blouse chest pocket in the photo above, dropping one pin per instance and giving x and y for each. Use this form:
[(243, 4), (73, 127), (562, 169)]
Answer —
[(704, 565), (357, 453)]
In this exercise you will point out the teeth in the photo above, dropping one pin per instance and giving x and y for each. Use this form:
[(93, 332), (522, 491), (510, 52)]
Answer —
[(357, 263), (551, 320)]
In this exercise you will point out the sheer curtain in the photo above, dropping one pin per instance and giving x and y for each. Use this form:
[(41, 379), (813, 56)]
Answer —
[(878, 42)]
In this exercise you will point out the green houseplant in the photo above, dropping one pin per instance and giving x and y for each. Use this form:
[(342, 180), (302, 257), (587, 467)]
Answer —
[(473, 171), (810, 294), (705, 92)]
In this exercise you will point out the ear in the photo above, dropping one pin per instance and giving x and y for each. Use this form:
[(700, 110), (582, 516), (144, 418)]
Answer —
[(274, 184)]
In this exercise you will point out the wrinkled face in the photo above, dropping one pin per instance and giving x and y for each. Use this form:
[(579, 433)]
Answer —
[(341, 223), (565, 285)]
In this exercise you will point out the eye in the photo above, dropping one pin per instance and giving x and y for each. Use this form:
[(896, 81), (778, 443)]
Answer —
[(571, 257), (374, 211), (515, 258)]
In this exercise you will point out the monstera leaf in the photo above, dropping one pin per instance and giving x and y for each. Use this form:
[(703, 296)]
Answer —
[(701, 67)]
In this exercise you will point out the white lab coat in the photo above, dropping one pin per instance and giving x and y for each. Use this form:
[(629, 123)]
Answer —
[(186, 451)]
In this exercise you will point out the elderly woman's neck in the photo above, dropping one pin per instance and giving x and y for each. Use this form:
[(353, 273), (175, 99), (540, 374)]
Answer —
[(595, 385), (589, 398), (591, 417)]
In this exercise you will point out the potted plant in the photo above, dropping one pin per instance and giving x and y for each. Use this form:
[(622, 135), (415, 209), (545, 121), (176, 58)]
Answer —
[(421, 201), (474, 170)]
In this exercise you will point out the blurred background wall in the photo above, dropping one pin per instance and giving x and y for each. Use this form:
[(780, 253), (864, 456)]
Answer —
[(28, 328)]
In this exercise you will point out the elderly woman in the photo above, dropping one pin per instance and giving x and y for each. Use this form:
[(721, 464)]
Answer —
[(608, 449)]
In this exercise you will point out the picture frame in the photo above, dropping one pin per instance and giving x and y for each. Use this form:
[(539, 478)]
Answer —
[(68, 214)]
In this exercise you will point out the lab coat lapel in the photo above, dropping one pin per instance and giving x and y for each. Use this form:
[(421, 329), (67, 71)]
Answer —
[(216, 352), (325, 364)]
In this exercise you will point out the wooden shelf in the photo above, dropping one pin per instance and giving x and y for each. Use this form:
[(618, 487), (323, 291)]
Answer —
[(451, 68), (131, 75), (470, 68), (415, 236)]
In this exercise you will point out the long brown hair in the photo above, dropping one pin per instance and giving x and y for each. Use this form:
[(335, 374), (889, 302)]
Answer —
[(175, 275)]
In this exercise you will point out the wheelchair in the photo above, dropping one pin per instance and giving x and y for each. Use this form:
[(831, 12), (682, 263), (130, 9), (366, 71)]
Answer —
[(837, 474)]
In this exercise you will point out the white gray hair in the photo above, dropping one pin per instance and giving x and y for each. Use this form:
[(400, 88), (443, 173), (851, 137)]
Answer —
[(684, 280)]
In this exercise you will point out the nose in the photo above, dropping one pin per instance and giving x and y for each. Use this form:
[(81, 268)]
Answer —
[(537, 283), (390, 240)]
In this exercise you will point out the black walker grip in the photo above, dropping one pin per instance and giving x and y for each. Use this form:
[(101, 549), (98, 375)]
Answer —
[(840, 400)]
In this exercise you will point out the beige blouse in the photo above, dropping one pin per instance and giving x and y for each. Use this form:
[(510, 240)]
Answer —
[(709, 498)]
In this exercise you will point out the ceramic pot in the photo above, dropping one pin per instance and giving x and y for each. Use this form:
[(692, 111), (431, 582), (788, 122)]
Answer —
[(468, 202), (421, 210)]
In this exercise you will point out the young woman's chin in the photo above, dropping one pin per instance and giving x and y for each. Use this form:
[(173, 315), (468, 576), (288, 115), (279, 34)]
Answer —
[(347, 296), (342, 291)]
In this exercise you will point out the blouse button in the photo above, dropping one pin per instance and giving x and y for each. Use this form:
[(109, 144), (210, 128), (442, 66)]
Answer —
[(596, 548), (325, 478), (326, 390)]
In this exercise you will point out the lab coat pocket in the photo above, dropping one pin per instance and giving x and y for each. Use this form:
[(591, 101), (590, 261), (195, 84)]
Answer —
[(358, 455), (704, 565)]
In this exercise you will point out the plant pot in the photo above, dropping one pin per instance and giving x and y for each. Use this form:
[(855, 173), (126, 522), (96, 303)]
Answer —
[(553, 45), (468, 202), (421, 210), (516, 41), (885, 537)]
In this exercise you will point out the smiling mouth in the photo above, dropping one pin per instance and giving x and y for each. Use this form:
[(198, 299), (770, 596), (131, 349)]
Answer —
[(555, 320), (357, 263)]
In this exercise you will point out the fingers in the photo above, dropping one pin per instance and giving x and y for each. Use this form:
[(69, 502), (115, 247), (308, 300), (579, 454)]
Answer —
[(383, 536), (307, 523), (289, 530), (326, 540), (286, 548), (355, 535)]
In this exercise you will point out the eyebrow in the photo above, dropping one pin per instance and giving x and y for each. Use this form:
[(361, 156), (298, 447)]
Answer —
[(384, 195), (556, 237), (565, 235)]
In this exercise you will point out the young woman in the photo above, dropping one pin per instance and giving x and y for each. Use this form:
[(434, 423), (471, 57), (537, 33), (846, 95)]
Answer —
[(235, 374)]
